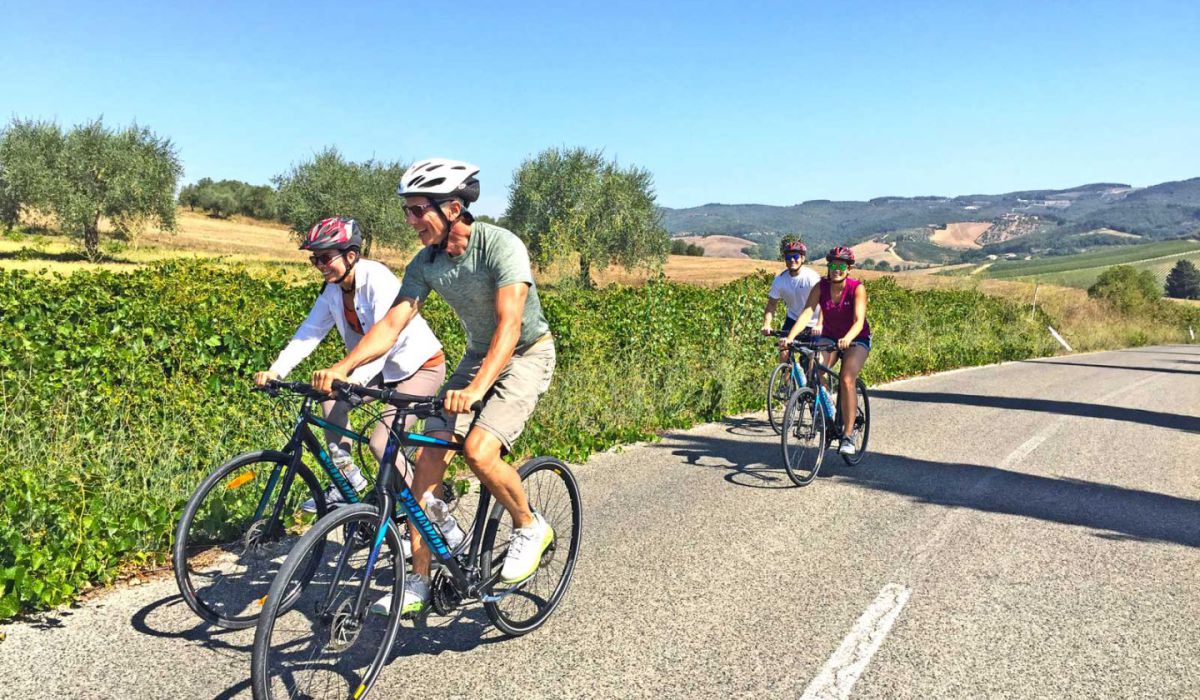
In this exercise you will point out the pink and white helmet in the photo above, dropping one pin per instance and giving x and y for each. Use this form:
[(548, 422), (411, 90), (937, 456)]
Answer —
[(335, 232)]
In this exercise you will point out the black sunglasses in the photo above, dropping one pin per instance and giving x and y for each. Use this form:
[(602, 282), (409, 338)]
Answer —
[(416, 211), (325, 260)]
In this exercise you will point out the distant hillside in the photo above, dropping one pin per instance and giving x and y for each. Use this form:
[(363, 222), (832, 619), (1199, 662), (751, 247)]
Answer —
[(1163, 211)]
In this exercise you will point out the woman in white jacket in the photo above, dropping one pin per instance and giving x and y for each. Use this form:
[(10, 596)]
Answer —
[(357, 294)]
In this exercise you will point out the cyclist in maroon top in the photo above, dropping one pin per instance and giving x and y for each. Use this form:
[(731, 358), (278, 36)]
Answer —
[(843, 305)]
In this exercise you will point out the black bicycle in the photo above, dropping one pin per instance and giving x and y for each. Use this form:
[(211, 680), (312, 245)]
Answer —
[(330, 644), (785, 378), (812, 408), (243, 519)]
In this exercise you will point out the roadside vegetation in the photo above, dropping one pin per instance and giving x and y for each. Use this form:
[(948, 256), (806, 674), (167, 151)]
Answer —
[(121, 391)]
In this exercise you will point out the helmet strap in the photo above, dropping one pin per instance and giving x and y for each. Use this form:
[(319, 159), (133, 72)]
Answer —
[(447, 225), (349, 269)]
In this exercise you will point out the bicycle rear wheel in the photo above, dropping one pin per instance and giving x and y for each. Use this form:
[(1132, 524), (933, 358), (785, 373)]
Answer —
[(224, 557), (862, 423), (554, 493), (322, 648), (779, 388), (803, 438)]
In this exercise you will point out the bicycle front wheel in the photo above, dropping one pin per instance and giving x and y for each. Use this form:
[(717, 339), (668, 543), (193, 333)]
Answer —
[(862, 423), (803, 438), (779, 388), (554, 493), (330, 645), (228, 544)]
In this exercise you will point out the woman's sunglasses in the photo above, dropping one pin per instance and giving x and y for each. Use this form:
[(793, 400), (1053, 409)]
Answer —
[(838, 267), (324, 260)]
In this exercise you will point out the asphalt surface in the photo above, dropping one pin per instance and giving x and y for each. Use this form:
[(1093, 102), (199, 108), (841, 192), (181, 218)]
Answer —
[(1032, 527)]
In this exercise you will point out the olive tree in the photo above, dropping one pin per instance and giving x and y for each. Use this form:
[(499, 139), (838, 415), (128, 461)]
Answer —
[(91, 173), (329, 185), (573, 201)]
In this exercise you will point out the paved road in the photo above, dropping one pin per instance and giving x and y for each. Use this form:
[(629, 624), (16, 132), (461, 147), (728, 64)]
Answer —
[(1025, 530)]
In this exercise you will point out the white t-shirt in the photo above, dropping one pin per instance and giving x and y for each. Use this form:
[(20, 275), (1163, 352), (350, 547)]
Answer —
[(375, 288), (794, 292)]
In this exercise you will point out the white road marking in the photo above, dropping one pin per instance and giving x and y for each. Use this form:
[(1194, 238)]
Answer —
[(843, 669)]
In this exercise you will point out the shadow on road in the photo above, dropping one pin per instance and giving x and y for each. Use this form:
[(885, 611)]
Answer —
[(1115, 511), (755, 465), (1162, 370), (1072, 408), (153, 620)]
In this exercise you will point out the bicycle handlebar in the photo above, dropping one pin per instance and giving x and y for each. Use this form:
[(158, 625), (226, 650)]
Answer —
[(424, 406), (819, 344), (275, 386)]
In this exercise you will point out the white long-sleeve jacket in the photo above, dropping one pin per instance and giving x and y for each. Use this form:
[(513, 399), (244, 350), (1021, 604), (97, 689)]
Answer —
[(375, 289)]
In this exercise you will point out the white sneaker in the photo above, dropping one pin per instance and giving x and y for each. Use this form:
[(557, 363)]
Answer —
[(525, 550), (416, 597), (847, 447), (333, 498)]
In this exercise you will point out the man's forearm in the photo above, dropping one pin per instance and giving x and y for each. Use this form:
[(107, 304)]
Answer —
[(504, 343), (379, 340)]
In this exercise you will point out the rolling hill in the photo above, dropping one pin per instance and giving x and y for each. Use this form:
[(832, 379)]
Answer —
[(1030, 221)]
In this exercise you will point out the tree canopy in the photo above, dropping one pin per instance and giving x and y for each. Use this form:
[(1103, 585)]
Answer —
[(573, 201), (329, 185), (1183, 281), (91, 172), (225, 198), (1126, 288)]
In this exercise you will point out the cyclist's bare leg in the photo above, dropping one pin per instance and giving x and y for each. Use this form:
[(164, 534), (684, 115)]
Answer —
[(430, 471), (482, 454), (337, 413), (853, 359)]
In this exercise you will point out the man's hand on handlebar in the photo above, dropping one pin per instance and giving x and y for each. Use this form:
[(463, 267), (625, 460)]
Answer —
[(323, 379), (461, 401)]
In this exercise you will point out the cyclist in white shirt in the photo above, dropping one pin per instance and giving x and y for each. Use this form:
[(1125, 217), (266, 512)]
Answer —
[(358, 293), (793, 286)]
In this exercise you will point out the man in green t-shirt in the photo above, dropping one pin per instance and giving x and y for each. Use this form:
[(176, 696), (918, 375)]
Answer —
[(483, 273)]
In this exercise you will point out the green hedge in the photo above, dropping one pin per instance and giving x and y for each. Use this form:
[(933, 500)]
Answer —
[(119, 392)]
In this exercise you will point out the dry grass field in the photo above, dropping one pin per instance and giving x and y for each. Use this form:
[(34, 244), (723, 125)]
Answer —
[(877, 251), (720, 246), (961, 236)]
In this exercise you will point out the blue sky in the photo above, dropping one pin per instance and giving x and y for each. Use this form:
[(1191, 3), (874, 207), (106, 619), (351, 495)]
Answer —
[(772, 103)]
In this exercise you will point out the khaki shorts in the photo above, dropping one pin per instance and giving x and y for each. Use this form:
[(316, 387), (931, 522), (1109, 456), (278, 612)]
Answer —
[(511, 400)]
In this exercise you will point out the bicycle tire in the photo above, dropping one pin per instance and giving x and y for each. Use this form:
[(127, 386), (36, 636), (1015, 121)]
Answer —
[(778, 392), (554, 493), (803, 438), (291, 653), (862, 423), (212, 545)]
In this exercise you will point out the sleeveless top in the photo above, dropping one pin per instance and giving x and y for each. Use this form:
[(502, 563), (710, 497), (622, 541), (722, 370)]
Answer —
[(837, 315)]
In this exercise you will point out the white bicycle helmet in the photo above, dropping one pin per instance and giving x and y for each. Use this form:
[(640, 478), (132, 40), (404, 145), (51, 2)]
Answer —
[(440, 179)]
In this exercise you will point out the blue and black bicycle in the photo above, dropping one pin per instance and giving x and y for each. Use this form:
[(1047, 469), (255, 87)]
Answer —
[(242, 520), (813, 412), (317, 636)]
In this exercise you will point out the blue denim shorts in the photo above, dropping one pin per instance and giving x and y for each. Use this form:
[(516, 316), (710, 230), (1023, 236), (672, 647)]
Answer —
[(863, 341)]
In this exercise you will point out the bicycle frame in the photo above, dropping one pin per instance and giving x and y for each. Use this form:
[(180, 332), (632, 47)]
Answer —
[(303, 437), (801, 377), (467, 581)]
